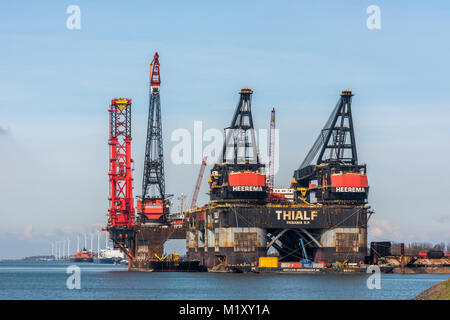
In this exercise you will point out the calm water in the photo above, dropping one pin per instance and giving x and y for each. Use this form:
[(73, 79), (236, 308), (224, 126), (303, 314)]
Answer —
[(47, 280)]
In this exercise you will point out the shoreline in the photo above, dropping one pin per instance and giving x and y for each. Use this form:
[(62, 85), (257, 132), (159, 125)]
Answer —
[(440, 291)]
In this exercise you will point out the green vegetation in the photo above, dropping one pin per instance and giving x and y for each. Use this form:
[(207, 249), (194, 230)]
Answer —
[(440, 291)]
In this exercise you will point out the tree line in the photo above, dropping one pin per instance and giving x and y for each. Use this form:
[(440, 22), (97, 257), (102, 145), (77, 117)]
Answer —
[(413, 248)]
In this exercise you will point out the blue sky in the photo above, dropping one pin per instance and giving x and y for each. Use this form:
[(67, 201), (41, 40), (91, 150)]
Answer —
[(296, 55)]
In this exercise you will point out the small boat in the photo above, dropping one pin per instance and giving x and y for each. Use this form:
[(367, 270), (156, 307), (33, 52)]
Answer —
[(83, 256)]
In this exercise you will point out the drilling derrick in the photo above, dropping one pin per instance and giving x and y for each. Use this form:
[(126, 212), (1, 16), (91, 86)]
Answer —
[(121, 207), (152, 205), (330, 173), (240, 175)]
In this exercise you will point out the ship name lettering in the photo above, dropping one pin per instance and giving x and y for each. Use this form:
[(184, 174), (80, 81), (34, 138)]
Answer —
[(296, 215)]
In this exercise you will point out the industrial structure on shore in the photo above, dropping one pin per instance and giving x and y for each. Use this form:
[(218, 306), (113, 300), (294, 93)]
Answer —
[(322, 218)]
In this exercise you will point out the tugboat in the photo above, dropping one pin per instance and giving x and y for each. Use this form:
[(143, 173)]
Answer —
[(83, 256)]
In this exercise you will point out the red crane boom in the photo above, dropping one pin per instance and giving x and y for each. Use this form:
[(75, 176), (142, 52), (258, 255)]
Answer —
[(199, 182)]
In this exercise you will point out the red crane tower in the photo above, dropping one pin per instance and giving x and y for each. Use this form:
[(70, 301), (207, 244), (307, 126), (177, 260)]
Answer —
[(121, 205)]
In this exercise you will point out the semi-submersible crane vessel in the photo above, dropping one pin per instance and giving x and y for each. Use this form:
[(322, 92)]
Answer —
[(325, 222)]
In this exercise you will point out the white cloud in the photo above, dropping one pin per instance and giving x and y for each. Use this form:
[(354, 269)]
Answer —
[(442, 218), (384, 230), (4, 132), (381, 229), (28, 232)]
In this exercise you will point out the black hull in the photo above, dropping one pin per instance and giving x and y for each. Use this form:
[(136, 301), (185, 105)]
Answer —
[(82, 260), (168, 266)]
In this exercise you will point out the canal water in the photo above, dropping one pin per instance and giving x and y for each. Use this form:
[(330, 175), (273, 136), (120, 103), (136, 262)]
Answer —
[(48, 280)]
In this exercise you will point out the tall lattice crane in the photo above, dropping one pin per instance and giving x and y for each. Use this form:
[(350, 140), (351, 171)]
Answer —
[(240, 175), (152, 205), (121, 203), (199, 182), (331, 172), (270, 179)]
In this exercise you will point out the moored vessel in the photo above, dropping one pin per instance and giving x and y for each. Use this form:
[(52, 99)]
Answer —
[(83, 256), (109, 256)]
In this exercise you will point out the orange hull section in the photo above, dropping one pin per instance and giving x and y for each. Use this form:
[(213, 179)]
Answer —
[(151, 206), (349, 180), (250, 179)]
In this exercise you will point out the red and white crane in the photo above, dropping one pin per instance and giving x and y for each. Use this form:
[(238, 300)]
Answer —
[(270, 180)]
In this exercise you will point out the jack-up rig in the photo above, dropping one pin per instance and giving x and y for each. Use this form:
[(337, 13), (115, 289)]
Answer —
[(321, 218)]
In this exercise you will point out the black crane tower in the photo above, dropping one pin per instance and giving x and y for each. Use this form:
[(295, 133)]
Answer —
[(153, 205), (240, 175), (330, 171)]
